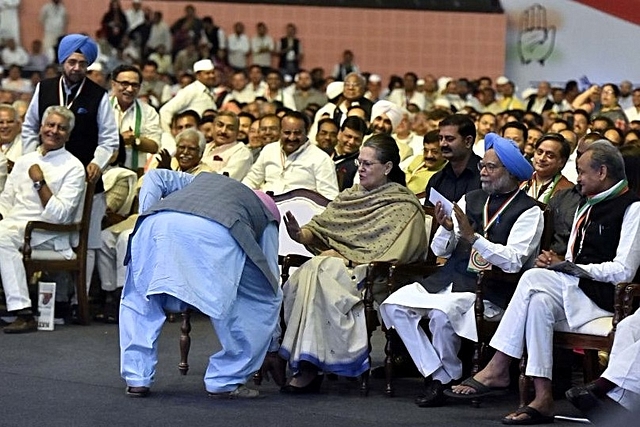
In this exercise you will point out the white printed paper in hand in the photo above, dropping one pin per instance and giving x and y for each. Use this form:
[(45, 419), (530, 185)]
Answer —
[(46, 305), (447, 205)]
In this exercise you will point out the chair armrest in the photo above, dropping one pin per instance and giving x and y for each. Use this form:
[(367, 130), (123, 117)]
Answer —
[(45, 226), (291, 260), (627, 296)]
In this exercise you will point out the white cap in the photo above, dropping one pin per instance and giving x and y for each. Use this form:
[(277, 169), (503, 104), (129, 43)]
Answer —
[(334, 89), (137, 1), (374, 78), (420, 82), (502, 80), (288, 78), (95, 66), (203, 65), (442, 102)]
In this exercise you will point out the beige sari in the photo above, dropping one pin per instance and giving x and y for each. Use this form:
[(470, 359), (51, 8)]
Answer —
[(322, 303)]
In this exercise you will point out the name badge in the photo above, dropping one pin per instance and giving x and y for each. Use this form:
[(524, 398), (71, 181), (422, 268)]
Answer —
[(477, 263)]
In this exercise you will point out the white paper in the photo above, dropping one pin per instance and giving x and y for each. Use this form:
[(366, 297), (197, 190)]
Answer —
[(46, 305), (447, 205)]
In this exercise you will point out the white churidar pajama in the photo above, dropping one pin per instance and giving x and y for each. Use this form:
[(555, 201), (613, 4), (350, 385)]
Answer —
[(624, 363)]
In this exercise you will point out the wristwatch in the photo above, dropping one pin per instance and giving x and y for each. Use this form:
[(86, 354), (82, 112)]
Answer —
[(39, 184), (136, 142)]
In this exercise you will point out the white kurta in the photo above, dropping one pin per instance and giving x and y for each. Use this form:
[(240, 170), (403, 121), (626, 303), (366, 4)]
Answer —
[(624, 363), (544, 298), (195, 96), (451, 314), (54, 23), (10, 20), (20, 203), (235, 159), (149, 127), (308, 167)]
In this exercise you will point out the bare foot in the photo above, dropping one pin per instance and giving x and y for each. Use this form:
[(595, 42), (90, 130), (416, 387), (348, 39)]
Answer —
[(543, 406), (486, 378)]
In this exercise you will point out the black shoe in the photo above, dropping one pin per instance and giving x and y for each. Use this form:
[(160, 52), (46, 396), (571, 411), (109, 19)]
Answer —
[(584, 397), (138, 391), (433, 395), (312, 387)]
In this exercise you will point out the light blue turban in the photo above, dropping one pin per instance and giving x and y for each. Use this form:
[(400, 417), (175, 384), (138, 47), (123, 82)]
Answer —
[(77, 42), (510, 156)]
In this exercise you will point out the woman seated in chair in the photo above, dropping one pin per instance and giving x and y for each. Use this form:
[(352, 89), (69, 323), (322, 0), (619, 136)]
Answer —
[(378, 219)]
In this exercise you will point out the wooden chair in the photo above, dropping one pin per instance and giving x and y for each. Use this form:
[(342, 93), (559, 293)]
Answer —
[(595, 336), (377, 272), (487, 327), (48, 260), (393, 276), (304, 204)]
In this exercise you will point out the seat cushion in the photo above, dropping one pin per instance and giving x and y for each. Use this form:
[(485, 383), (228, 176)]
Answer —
[(599, 327), (50, 254)]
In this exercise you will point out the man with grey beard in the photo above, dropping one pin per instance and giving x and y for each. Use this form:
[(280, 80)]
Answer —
[(496, 227)]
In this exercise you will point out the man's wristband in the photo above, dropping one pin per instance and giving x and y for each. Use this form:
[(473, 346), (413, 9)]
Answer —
[(475, 237)]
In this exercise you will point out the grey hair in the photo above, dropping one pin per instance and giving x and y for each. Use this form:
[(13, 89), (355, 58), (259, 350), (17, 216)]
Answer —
[(193, 133), (603, 153), (60, 111), (363, 81), (9, 108)]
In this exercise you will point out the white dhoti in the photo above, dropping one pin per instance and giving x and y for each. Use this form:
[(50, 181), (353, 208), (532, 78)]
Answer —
[(324, 313), (113, 249), (542, 299), (451, 316), (624, 363)]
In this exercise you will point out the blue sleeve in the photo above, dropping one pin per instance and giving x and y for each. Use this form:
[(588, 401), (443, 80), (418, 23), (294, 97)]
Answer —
[(159, 183)]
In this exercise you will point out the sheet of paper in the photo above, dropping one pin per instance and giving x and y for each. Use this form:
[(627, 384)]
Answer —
[(435, 197)]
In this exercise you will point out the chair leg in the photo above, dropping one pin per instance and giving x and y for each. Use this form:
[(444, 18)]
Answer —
[(478, 354), (524, 382), (388, 362), (591, 366), (81, 294), (185, 342)]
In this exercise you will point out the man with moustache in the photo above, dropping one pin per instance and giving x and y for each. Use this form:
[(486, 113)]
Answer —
[(603, 240), (385, 117), (138, 122), (550, 156), (114, 239), (293, 163), (423, 166), (94, 137), (225, 154), (347, 150), (327, 136), (197, 96), (496, 227), (460, 175), (45, 185)]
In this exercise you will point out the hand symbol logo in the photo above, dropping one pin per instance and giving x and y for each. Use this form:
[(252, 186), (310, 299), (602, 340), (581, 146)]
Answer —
[(537, 39)]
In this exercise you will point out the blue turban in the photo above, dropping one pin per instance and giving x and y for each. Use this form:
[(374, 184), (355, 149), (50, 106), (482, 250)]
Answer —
[(510, 156), (77, 42)]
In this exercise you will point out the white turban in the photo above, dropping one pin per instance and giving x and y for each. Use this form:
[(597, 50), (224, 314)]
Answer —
[(390, 109)]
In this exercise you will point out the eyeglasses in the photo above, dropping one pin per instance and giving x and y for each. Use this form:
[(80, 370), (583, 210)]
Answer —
[(366, 163), (124, 85), (7, 122), (491, 168), (352, 85)]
